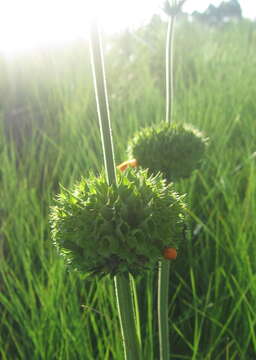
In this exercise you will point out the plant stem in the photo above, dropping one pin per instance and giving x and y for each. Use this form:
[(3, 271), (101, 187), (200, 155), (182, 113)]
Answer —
[(163, 291), (136, 307), (122, 284), (127, 316), (100, 88), (169, 69), (164, 265)]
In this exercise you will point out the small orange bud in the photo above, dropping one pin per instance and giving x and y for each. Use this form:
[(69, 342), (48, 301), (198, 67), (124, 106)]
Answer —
[(170, 253), (132, 163)]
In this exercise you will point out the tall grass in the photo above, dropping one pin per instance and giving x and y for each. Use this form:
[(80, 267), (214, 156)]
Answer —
[(50, 136)]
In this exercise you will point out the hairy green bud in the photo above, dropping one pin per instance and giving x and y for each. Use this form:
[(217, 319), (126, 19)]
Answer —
[(102, 229), (175, 150)]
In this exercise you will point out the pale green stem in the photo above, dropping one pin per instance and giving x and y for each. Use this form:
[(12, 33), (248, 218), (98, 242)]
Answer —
[(122, 283), (136, 308), (169, 69), (163, 318), (100, 88), (164, 265), (126, 315)]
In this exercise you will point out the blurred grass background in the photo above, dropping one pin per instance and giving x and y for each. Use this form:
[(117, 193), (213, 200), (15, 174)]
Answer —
[(50, 135)]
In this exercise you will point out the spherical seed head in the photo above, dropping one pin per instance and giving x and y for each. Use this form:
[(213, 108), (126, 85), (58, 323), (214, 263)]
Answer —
[(175, 150), (104, 229)]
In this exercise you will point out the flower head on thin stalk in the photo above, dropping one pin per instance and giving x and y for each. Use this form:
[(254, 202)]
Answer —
[(102, 229), (174, 8), (175, 150)]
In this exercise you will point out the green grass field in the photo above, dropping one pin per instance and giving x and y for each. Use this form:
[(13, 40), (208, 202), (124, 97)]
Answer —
[(50, 135)]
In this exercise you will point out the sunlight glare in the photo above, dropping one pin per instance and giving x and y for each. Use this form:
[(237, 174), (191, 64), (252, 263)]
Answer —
[(29, 24)]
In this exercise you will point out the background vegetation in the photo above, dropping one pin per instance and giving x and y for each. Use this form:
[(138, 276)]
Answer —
[(50, 135)]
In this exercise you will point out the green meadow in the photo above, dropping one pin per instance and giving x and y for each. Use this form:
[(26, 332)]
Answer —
[(50, 136)]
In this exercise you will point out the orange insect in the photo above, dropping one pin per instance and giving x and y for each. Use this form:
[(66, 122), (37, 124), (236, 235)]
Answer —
[(132, 163), (170, 253)]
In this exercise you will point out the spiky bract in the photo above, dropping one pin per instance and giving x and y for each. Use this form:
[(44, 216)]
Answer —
[(175, 150), (120, 228)]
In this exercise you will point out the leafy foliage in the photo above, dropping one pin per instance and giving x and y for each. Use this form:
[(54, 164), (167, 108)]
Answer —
[(113, 229), (227, 11), (175, 150)]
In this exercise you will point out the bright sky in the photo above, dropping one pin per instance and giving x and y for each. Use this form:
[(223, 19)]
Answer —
[(26, 24)]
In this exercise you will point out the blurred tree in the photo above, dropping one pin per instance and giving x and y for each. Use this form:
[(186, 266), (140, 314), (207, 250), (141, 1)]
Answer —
[(227, 11), (230, 10)]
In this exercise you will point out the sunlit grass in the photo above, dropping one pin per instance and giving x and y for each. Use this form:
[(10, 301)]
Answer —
[(50, 313)]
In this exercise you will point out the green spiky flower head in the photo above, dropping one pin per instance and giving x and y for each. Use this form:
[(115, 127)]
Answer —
[(120, 228), (175, 150)]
